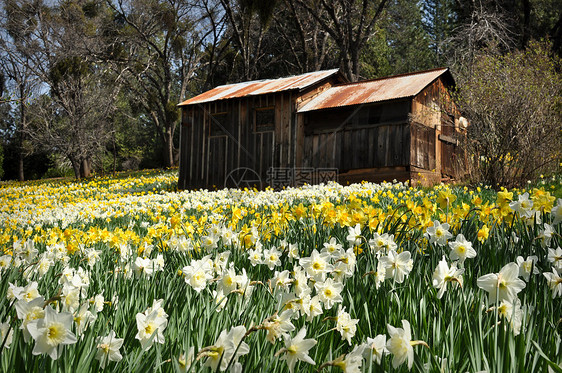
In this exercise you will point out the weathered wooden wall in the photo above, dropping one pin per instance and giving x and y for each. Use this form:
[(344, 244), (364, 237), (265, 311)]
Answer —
[(354, 138), (209, 155), (435, 130)]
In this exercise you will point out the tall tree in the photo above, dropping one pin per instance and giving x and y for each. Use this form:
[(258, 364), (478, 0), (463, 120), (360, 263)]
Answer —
[(439, 20), (410, 43), (62, 43), (350, 24), (21, 83), (479, 26), (299, 38), (163, 47), (248, 21), (20, 80)]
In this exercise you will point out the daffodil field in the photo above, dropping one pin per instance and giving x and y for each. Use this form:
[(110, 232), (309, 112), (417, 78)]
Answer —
[(130, 275)]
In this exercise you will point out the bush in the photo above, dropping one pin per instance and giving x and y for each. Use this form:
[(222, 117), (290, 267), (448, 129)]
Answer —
[(514, 106)]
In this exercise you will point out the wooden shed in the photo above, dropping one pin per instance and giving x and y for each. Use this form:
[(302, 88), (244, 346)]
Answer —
[(316, 127)]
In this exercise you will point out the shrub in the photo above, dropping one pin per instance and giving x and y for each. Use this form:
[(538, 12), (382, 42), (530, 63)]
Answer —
[(514, 106)]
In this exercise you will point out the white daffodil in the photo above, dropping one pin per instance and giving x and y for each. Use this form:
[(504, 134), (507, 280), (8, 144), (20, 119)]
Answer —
[(377, 243), (6, 334), (397, 266), (150, 329), (317, 265), (108, 349), (293, 251), (92, 256), (523, 206), (281, 280), (312, 307), (185, 362), (209, 242), (220, 262), (512, 312), (5, 262), (99, 302), (255, 256), (272, 257), (198, 272), (28, 312), (380, 274), (30, 292), (14, 292), (400, 344), (345, 324), (329, 292), (50, 332), (83, 318), (345, 264), (554, 281), (527, 267), (461, 249), (438, 233), (504, 285), (143, 266), (376, 348), (444, 274), (297, 349), (389, 243), (300, 282), (351, 362), (332, 248), (556, 212), (555, 257), (228, 347), (545, 236), (228, 280), (277, 325), (354, 236), (70, 298)]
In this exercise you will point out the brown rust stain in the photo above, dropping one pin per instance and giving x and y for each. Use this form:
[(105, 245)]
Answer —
[(260, 87), (373, 91)]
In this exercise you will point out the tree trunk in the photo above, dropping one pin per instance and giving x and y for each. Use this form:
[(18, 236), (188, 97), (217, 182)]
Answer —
[(114, 154), (21, 176), (168, 148), (75, 166), (85, 168)]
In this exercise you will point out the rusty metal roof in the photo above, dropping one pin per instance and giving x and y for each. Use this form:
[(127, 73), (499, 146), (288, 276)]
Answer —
[(260, 87), (383, 89)]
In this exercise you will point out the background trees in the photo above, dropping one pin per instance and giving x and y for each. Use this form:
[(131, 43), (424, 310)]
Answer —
[(95, 83)]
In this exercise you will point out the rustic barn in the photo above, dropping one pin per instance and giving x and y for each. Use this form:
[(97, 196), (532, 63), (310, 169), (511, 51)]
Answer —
[(316, 126)]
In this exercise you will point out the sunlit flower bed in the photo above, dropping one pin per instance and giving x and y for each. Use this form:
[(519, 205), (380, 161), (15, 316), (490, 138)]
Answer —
[(130, 275)]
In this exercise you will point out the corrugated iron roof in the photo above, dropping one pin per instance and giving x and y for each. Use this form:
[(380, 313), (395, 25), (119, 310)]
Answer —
[(259, 87), (383, 89)]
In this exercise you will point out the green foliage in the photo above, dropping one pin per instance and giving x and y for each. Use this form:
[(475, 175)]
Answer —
[(73, 67)]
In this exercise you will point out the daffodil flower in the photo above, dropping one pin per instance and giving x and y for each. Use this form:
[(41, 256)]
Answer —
[(504, 285), (51, 332)]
